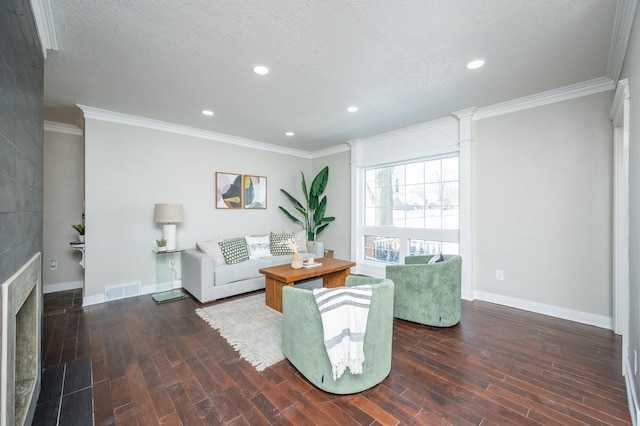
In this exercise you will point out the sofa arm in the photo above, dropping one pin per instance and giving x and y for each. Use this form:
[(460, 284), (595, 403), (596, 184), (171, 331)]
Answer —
[(197, 273)]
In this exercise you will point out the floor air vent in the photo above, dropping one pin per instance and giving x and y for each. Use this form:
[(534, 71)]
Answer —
[(122, 291)]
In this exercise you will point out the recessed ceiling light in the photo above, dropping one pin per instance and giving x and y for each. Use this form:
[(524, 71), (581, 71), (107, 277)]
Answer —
[(207, 112), (476, 63), (261, 70), (352, 109), (290, 134)]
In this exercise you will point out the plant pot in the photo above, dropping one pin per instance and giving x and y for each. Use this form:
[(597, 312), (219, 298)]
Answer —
[(162, 248), (296, 260), (315, 247), (81, 238)]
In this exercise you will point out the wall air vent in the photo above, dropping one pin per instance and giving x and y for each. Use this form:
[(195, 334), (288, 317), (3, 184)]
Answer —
[(121, 291)]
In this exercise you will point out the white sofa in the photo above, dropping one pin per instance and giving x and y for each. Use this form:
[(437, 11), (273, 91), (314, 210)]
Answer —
[(207, 277)]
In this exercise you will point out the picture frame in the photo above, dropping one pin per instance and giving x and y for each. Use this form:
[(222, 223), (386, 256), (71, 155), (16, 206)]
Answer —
[(228, 191), (254, 192)]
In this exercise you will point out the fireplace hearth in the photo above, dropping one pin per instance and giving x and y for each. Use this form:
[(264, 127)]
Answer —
[(20, 334)]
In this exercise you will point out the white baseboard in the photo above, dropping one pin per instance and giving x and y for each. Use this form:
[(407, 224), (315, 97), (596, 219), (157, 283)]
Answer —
[(147, 289), (632, 398), (540, 308), (92, 300), (54, 288)]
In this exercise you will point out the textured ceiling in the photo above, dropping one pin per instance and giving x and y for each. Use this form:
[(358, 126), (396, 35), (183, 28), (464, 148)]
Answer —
[(401, 62)]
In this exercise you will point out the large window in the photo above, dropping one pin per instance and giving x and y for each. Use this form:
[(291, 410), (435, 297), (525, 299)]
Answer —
[(408, 206)]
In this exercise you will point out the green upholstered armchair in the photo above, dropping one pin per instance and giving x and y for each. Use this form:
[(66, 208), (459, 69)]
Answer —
[(427, 294), (303, 345)]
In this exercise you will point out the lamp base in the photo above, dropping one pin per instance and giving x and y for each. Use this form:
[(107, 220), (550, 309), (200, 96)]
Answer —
[(169, 231)]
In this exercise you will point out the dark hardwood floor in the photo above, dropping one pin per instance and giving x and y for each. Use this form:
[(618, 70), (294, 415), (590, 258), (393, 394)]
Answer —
[(162, 364)]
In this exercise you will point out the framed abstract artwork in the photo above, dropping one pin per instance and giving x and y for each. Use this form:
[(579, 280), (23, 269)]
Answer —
[(228, 190), (255, 192)]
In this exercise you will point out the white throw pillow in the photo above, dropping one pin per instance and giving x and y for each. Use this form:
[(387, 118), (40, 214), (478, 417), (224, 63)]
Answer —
[(212, 248), (258, 246)]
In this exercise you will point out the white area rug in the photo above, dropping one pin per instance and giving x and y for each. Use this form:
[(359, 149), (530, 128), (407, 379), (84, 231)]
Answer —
[(250, 327)]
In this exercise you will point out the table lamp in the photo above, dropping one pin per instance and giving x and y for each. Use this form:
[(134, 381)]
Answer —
[(168, 214)]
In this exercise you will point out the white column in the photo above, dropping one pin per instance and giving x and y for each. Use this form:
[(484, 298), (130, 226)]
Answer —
[(466, 200)]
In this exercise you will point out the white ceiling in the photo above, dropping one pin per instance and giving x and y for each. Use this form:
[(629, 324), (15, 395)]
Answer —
[(401, 62)]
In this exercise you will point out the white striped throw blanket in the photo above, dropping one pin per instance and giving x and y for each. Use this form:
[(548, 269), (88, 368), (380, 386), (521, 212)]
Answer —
[(344, 312)]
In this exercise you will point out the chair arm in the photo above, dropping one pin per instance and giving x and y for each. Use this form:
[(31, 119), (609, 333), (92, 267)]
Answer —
[(302, 332)]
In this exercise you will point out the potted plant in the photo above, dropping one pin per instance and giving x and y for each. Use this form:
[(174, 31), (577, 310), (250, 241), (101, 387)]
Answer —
[(162, 244), (313, 219), (80, 228)]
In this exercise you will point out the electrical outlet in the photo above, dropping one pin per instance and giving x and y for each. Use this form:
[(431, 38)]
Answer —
[(53, 265), (172, 263), (499, 275)]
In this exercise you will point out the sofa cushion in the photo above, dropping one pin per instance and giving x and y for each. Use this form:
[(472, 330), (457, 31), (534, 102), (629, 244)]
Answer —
[(279, 244), (234, 250), (258, 246), (212, 248), (227, 274)]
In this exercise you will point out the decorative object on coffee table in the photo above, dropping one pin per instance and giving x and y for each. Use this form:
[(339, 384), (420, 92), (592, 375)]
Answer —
[(296, 260)]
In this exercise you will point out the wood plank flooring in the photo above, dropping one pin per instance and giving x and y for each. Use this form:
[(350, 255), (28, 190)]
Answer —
[(162, 364)]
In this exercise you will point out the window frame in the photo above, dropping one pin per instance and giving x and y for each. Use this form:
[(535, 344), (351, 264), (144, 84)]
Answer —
[(403, 234)]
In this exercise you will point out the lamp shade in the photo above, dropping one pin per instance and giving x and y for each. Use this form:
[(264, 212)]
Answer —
[(167, 213)]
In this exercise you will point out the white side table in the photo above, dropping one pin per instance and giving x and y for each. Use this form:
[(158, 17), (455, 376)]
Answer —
[(164, 276)]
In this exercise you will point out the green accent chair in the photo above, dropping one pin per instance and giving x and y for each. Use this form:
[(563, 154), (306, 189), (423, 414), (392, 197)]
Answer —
[(303, 343), (427, 294)]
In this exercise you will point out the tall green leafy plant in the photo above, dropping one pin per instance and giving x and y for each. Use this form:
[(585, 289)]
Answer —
[(313, 219)]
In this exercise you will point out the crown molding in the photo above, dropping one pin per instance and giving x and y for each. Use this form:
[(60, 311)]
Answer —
[(406, 130), (625, 11), (163, 126), (43, 16), (586, 88), (70, 129), (330, 151)]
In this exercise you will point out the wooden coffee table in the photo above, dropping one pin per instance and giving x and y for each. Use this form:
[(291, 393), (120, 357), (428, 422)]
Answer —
[(332, 271)]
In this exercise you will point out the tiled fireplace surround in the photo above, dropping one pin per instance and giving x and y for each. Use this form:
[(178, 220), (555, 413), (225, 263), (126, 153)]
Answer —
[(21, 201)]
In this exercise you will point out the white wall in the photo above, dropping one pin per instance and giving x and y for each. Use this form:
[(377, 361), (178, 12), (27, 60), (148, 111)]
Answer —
[(542, 201), (631, 70), (336, 236), (130, 168), (63, 168)]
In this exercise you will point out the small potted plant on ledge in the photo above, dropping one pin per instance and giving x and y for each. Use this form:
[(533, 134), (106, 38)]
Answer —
[(80, 228), (162, 244)]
